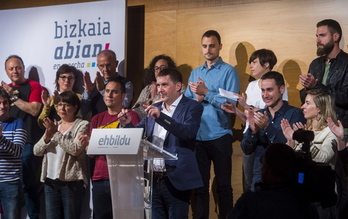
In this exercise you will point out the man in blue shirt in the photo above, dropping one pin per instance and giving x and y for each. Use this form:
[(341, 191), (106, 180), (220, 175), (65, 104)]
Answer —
[(214, 137), (264, 125)]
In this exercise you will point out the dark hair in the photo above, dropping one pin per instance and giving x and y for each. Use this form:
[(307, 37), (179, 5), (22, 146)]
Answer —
[(174, 74), (121, 83), (279, 79), (63, 69), (149, 76), (70, 98), (264, 55), (281, 160), (4, 94), (210, 33), (16, 57), (333, 26), (149, 72), (170, 61)]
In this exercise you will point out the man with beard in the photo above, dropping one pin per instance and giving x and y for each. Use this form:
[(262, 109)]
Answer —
[(330, 72), (264, 125)]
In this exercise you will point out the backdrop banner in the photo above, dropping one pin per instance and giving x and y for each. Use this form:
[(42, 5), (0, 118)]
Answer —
[(47, 37)]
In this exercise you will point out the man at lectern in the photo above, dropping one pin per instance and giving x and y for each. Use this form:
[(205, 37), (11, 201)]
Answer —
[(173, 125), (115, 93)]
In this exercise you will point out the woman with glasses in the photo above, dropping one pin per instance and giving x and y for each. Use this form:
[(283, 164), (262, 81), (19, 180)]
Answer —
[(149, 92), (65, 81), (64, 159)]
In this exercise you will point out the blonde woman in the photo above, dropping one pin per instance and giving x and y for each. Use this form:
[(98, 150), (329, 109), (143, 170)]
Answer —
[(318, 107)]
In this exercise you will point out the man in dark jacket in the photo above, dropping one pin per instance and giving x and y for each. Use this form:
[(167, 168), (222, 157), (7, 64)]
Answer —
[(172, 124), (330, 72)]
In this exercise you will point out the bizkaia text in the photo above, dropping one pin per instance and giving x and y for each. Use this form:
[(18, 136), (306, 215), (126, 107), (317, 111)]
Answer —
[(79, 29)]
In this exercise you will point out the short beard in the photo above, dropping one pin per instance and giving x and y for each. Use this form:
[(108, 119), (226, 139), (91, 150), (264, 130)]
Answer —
[(326, 49), (276, 102), (211, 59)]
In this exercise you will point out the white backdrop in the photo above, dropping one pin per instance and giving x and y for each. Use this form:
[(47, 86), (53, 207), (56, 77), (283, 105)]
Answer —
[(46, 37)]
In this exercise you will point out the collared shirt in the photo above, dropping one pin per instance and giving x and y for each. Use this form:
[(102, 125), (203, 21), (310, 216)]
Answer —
[(159, 134), (254, 95), (273, 132), (215, 122)]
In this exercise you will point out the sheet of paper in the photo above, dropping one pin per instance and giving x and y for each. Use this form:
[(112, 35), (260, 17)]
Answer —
[(228, 94)]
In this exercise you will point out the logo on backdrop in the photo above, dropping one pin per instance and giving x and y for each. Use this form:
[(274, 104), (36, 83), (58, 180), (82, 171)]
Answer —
[(79, 41)]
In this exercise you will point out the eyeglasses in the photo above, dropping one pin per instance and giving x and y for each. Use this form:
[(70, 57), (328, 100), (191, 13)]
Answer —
[(63, 105), (160, 68), (64, 78)]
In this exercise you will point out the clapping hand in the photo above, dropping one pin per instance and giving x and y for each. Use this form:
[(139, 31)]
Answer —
[(198, 87), (89, 86), (228, 107), (51, 128)]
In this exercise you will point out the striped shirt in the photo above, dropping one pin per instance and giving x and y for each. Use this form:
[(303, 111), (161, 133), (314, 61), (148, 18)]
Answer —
[(12, 142)]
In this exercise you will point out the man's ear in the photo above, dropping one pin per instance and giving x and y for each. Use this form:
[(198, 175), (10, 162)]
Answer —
[(336, 36), (178, 86), (282, 89)]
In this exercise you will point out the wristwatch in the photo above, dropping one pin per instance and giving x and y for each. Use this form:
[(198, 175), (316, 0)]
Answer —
[(14, 99)]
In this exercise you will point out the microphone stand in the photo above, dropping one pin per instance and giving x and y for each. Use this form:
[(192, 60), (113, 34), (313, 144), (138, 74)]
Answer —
[(145, 128), (136, 106)]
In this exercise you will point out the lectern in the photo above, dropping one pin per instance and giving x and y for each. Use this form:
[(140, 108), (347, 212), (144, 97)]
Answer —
[(130, 184)]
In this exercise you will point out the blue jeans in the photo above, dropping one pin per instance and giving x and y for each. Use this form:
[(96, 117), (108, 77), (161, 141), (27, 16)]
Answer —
[(102, 203), (248, 166), (63, 199), (31, 195), (220, 152), (257, 168), (167, 201), (10, 198)]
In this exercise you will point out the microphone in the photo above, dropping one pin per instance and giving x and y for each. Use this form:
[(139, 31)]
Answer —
[(134, 107)]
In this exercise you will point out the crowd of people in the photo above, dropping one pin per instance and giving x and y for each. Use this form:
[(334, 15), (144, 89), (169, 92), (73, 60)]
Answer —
[(193, 122)]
